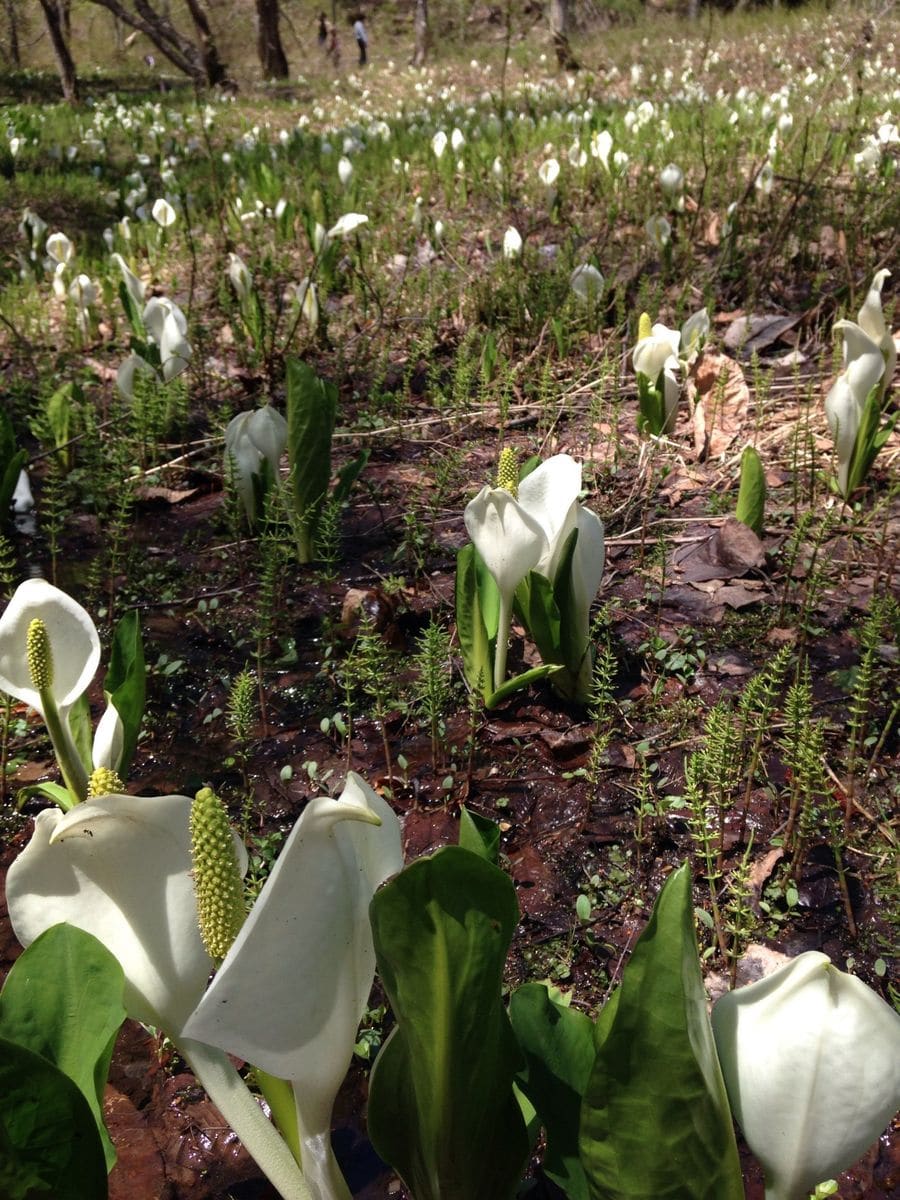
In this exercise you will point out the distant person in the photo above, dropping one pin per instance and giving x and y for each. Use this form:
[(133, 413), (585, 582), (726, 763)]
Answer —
[(362, 40), (323, 31), (334, 46)]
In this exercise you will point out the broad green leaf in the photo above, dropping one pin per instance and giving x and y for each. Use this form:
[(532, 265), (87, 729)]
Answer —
[(82, 730), (54, 792), (488, 598), (132, 312), (126, 682), (473, 639), (751, 502), (348, 475), (518, 682), (311, 411), (441, 1107), (558, 1044), (870, 437), (56, 1149), (571, 636), (479, 834), (651, 406), (538, 610), (655, 1122), (62, 1000)]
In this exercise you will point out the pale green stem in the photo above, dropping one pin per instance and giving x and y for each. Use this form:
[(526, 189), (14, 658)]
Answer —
[(280, 1097), (71, 766), (313, 1115), (504, 618), (241, 1110)]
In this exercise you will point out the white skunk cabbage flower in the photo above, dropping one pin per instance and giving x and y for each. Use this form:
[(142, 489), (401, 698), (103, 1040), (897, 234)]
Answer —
[(119, 867), (163, 213), (601, 145), (109, 740), (130, 367), (305, 294), (659, 232), (292, 989), (548, 172), (587, 283), (250, 439), (344, 170), (871, 321), (694, 333), (512, 243), (811, 1061), (439, 143), (32, 227), (60, 249), (671, 180), (846, 401), (74, 647), (167, 325), (239, 274), (457, 140), (528, 531), (347, 224), (83, 291), (656, 358), (134, 286)]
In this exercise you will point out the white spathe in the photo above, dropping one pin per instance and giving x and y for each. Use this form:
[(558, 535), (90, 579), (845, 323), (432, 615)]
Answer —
[(512, 243), (251, 438), (845, 402), (167, 325), (239, 274), (292, 989), (811, 1061), (119, 867), (656, 358), (163, 213), (871, 321), (109, 740), (587, 283), (347, 224), (134, 286), (74, 645)]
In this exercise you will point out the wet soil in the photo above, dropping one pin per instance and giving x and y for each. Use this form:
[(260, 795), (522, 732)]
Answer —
[(567, 828)]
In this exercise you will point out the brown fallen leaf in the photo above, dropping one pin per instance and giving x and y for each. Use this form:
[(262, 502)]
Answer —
[(729, 552), (746, 334), (151, 495), (718, 391)]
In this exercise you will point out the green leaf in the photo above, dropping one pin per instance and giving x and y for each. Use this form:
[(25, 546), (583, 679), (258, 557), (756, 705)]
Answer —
[(132, 312), (348, 475), (751, 502), (558, 1044), (126, 682), (44, 1118), (870, 437), (518, 682), (655, 1122), (538, 609), (473, 639), (53, 791), (82, 730), (651, 406), (62, 1000), (572, 645), (442, 1110), (479, 834), (311, 411)]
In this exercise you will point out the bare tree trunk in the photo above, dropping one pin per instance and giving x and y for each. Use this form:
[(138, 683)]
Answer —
[(272, 57), (213, 67), (12, 25), (67, 76), (559, 27), (201, 62), (420, 26), (65, 16)]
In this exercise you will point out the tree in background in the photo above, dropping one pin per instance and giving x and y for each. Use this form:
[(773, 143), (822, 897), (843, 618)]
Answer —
[(272, 57), (420, 26)]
